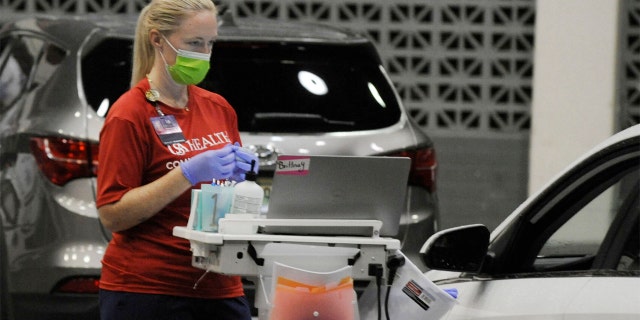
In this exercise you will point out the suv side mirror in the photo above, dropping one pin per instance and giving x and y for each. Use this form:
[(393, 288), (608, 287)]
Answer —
[(460, 249)]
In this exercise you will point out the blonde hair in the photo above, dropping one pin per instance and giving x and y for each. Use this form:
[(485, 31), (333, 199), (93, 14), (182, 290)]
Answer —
[(164, 16)]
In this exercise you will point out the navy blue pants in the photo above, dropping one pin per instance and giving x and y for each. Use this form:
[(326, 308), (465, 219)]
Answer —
[(128, 306)]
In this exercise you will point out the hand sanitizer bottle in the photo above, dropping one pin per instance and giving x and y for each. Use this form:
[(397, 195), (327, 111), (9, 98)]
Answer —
[(247, 195)]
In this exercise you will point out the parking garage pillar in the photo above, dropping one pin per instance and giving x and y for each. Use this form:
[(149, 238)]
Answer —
[(576, 63)]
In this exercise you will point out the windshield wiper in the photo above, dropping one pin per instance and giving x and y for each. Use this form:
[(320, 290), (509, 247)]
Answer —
[(297, 122)]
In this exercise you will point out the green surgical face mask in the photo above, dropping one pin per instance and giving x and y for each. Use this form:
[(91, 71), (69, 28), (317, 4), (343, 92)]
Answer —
[(190, 68)]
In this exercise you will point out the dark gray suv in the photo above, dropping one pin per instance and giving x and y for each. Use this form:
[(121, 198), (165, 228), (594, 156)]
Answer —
[(297, 89)]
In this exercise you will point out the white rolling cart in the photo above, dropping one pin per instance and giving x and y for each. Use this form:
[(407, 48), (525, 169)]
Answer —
[(239, 249)]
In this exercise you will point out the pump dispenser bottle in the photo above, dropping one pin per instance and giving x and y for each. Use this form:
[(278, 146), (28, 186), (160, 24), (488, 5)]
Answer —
[(248, 195)]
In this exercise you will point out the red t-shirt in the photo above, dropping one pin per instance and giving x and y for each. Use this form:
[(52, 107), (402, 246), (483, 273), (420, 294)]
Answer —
[(147, 258)]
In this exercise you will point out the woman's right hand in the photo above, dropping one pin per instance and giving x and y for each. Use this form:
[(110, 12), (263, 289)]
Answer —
[(212, 164)]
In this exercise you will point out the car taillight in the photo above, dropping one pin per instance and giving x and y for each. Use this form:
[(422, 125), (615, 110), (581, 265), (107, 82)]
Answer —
[(423, 167), (64, 159), (78, 285)]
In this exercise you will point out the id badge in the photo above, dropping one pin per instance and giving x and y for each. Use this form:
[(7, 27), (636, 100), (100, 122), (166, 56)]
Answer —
[(167, 129)]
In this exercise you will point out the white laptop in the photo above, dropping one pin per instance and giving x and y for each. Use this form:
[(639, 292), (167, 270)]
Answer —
[(338, 187)]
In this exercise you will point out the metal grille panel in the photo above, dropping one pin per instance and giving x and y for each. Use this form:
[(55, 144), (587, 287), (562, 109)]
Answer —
[(463, 66)]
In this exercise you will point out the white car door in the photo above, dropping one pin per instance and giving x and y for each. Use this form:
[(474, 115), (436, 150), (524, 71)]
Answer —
[(606, 298), (583, 298)]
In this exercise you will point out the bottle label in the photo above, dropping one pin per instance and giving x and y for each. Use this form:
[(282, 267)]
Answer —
[(244, 204)]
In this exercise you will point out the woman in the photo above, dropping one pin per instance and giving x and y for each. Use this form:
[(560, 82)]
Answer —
[(160, 139)]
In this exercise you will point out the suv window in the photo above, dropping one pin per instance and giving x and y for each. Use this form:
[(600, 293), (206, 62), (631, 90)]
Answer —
[(303, 87), (604, 207), (275, 87), (106, 73)]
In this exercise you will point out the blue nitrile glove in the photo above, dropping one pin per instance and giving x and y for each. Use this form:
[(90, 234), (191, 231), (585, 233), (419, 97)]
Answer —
[(209, 165), (453, 292), (243, 162)]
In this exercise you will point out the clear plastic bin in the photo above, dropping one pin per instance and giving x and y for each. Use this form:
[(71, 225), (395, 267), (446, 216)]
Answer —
[(301, 294), (308, 273)]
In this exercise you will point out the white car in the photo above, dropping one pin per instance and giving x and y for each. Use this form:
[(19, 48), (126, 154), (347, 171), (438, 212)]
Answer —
[(571, 251)]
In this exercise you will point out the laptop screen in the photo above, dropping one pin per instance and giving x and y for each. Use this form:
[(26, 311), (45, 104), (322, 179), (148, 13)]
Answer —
[(339, 187)]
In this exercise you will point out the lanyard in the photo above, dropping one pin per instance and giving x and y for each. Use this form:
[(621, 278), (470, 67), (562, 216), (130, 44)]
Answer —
[(166, 127), (152, 96)]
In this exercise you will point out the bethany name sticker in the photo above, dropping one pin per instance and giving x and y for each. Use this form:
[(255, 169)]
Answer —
[(294, 165)]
